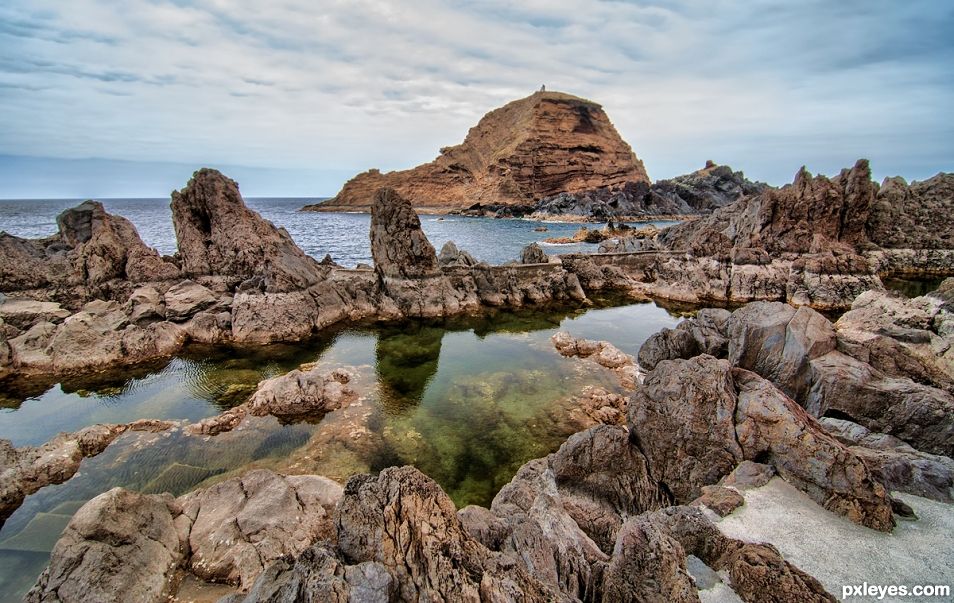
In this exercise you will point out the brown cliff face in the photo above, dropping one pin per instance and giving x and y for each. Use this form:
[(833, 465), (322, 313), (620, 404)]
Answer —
[(542, 145)]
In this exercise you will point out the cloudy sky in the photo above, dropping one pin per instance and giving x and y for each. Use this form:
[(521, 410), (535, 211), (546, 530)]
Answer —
[(290, 97)]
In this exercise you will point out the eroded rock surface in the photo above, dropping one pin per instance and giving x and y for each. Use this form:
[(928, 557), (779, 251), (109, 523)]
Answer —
[(126, 546), (218, 235), (535, 147), (93, 254), (696, 419), (398, 245)]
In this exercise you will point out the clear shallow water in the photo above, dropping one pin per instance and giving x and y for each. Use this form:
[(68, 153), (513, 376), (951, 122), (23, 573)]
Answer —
[(465, 400), (343, 235)]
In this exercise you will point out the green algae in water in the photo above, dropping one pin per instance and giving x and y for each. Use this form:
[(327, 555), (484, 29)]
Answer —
[(467, 401)]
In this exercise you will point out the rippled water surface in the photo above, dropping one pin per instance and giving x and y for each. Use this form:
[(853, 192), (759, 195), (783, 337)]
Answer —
[(343, 235), (466, 400)]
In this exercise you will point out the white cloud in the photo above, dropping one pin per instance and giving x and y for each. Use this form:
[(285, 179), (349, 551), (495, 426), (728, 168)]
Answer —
[(765, 86)]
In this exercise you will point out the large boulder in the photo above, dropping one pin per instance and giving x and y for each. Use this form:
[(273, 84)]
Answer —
[(120, 546), (846, 388), (237, 527), (92, 255), (218, 235), (404, 521), (696, 419), (304, 391), (399, 247)]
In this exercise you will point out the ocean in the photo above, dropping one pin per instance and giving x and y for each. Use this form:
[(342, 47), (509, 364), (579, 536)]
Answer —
[(343, 235)]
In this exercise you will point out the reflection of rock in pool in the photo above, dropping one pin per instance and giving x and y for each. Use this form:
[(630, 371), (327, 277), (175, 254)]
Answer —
[(406, 361)]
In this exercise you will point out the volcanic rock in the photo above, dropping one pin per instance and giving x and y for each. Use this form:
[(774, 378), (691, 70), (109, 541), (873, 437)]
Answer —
[(895, 464), (535, 147), (120, 546), (398, 245), (450, 255), (26, 470), (404, 521), (93, 254), (700, 192), (695, 420), (237, 527), (219, 235), (533, 254)]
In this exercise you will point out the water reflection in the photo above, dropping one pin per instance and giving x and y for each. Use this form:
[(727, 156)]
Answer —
[(406, 360), (466, 400)]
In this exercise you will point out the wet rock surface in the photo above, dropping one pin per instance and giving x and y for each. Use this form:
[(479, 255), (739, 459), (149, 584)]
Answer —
[(26, 470)]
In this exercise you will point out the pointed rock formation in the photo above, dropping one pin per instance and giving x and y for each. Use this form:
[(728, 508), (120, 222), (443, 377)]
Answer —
[(535, 147), (219, 235), (812, 215), (398, 245)]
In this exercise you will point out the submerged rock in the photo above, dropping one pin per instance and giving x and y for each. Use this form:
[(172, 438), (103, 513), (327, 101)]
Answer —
[(26, 470)]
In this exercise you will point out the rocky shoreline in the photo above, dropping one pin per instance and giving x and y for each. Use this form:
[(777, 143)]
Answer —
[(621, 512), (846, 413), (95, 296)]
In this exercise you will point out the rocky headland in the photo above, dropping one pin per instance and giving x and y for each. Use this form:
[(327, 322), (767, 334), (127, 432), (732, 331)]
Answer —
[(817, 242), (547, 156), (535, 147)]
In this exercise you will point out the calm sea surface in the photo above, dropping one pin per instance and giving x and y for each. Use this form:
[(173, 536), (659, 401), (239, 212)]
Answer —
[(343, 235)]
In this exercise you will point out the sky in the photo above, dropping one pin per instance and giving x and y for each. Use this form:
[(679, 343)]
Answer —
[(291, 97)]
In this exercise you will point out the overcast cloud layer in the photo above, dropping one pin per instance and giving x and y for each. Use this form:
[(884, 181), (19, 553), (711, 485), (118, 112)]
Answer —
[(302, 93)]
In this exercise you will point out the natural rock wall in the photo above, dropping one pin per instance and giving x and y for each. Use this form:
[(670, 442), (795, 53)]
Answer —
[(885, 365), (535, 147)]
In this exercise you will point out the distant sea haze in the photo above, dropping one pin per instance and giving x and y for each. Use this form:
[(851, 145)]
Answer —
[(342, 235)]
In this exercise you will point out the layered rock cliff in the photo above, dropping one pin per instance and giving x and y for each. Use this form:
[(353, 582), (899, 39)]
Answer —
[(529, 149)]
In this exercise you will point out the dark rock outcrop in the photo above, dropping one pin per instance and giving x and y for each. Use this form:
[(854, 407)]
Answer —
[(700, 192), (398, 245), (219, 235), (94, 254)]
